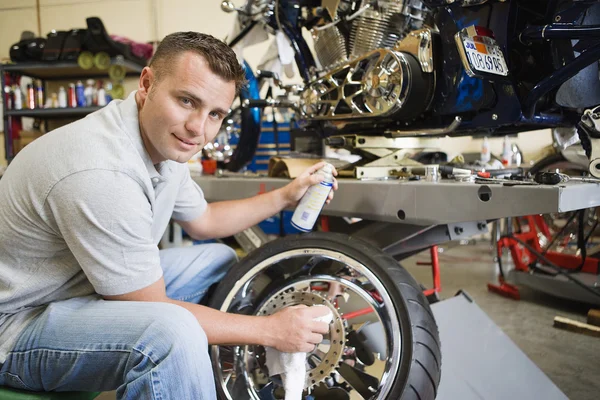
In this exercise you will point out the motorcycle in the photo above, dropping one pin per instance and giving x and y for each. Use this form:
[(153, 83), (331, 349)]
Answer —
[(411, 68), (394, 68)]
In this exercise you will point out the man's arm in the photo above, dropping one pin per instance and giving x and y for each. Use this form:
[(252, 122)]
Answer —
[(290, 330), (225, 218)]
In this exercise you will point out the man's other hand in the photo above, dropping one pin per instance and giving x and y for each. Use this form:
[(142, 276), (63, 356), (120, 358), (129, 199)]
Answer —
[(294, 329), (296, 189)]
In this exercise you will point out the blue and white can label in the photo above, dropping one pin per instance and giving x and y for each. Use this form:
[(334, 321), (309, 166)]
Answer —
[(310, 206)]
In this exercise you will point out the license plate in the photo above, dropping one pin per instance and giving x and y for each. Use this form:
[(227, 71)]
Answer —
[(484, 55)]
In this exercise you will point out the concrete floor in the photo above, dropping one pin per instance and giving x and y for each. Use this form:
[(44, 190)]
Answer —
[(570, 360)]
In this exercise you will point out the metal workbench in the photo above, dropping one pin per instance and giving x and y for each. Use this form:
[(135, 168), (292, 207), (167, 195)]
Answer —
[(414, 215), (423, 203)]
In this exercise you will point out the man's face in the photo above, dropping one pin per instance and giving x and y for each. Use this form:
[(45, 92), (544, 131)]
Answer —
[(183, 111)]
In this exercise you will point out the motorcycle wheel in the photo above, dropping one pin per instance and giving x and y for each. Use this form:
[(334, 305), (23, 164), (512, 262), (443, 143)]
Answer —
[(383, 342)]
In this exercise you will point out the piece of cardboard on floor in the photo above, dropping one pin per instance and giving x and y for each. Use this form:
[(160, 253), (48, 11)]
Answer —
[(479, 361)]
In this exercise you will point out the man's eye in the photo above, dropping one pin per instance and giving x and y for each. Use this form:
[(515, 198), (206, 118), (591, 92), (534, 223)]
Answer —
[(215, 114), (186, 101)]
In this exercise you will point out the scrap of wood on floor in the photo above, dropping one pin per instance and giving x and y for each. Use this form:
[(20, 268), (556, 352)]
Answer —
[(576, 326), (593, 317)]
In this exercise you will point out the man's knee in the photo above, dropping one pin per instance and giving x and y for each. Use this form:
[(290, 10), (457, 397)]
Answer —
[(225, 256), (175, 332)]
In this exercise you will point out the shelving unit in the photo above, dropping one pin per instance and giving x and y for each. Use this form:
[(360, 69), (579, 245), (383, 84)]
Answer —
[(49, 71), (66, 69), (52, 112)]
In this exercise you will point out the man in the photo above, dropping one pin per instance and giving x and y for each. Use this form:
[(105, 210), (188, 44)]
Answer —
[(87, 301)]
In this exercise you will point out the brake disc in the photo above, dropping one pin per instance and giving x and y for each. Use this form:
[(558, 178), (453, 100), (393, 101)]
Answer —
[(325, 358)]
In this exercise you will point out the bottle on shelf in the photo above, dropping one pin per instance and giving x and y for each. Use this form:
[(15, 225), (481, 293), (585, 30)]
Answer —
[(101, 95), (30, 97), (54, 100), (72, 96), (17, 97), (39, 91), (62, 97), (8, 97), (89, 93), (80, 94)]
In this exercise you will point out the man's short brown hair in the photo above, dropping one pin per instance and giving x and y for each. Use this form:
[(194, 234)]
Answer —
[(221, 58)]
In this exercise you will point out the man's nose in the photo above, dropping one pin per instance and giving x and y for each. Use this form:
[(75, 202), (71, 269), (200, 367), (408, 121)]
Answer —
[(196, 124)]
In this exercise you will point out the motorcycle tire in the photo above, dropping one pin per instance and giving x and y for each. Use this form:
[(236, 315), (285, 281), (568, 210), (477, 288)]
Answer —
[(556, 221), (553, 162), (300, 264)]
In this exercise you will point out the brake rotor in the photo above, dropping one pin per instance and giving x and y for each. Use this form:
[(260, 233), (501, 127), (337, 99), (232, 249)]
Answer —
[(326, 356)]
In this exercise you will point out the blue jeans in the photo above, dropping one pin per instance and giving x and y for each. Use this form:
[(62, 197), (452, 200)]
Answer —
[(143, 350)]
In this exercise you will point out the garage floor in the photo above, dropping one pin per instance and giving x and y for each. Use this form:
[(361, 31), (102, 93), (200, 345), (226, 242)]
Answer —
[(571, 360)]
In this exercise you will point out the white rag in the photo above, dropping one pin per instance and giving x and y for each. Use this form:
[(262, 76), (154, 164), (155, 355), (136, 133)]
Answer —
[(291, 366)]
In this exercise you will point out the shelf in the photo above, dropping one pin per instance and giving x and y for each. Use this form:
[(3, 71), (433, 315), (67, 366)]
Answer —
[(63, 70), (52, 112)]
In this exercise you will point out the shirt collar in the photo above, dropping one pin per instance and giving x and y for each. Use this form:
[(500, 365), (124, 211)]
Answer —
[(131, 125)]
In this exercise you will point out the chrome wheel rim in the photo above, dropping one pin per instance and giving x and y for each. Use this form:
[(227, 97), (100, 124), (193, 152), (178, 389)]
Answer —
[(354, 294)]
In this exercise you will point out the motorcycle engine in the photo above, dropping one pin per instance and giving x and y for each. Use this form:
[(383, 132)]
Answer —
[(376, 61)]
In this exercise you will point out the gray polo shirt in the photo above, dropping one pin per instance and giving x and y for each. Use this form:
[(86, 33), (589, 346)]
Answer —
[(82, 210)]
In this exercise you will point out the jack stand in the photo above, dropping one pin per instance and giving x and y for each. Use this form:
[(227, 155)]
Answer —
[(505, 289), (433, 293), (532, 228), (389, 155)]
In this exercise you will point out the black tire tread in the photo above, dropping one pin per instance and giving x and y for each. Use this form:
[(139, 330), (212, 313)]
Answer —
[(436, 340), (425, 345)]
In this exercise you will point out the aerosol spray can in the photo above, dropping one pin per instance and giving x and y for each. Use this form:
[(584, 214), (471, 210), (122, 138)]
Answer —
[(80, 94), (30, 97), (18, 97), (71, 96), (39, 90), (312, 202)]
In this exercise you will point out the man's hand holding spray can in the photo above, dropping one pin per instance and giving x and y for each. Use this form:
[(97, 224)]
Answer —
[(314, 199)]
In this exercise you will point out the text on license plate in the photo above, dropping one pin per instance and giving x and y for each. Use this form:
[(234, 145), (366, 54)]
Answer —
[(485, 57)]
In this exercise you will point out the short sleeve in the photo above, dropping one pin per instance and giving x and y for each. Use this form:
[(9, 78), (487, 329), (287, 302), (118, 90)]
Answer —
[(105, 218), (190, 202)]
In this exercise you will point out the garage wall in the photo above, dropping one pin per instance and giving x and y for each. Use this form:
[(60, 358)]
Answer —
[(149, 21)]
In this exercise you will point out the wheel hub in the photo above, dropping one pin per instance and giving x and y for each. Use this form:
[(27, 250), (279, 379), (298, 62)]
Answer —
[(324, 359)]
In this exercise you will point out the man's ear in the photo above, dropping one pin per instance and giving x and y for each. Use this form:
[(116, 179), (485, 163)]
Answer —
[(145, 83)]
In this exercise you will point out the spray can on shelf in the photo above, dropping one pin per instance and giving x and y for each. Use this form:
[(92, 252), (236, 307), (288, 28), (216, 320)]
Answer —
[(80, 94), (30, 97), (39, 90), (71, 96), (18, 97), (312, 202)]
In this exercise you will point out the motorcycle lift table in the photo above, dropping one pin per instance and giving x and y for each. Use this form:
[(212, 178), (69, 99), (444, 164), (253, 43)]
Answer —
[(414, 215)]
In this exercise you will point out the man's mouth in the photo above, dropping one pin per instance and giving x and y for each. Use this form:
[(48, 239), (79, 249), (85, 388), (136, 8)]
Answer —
[(185, 141)]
